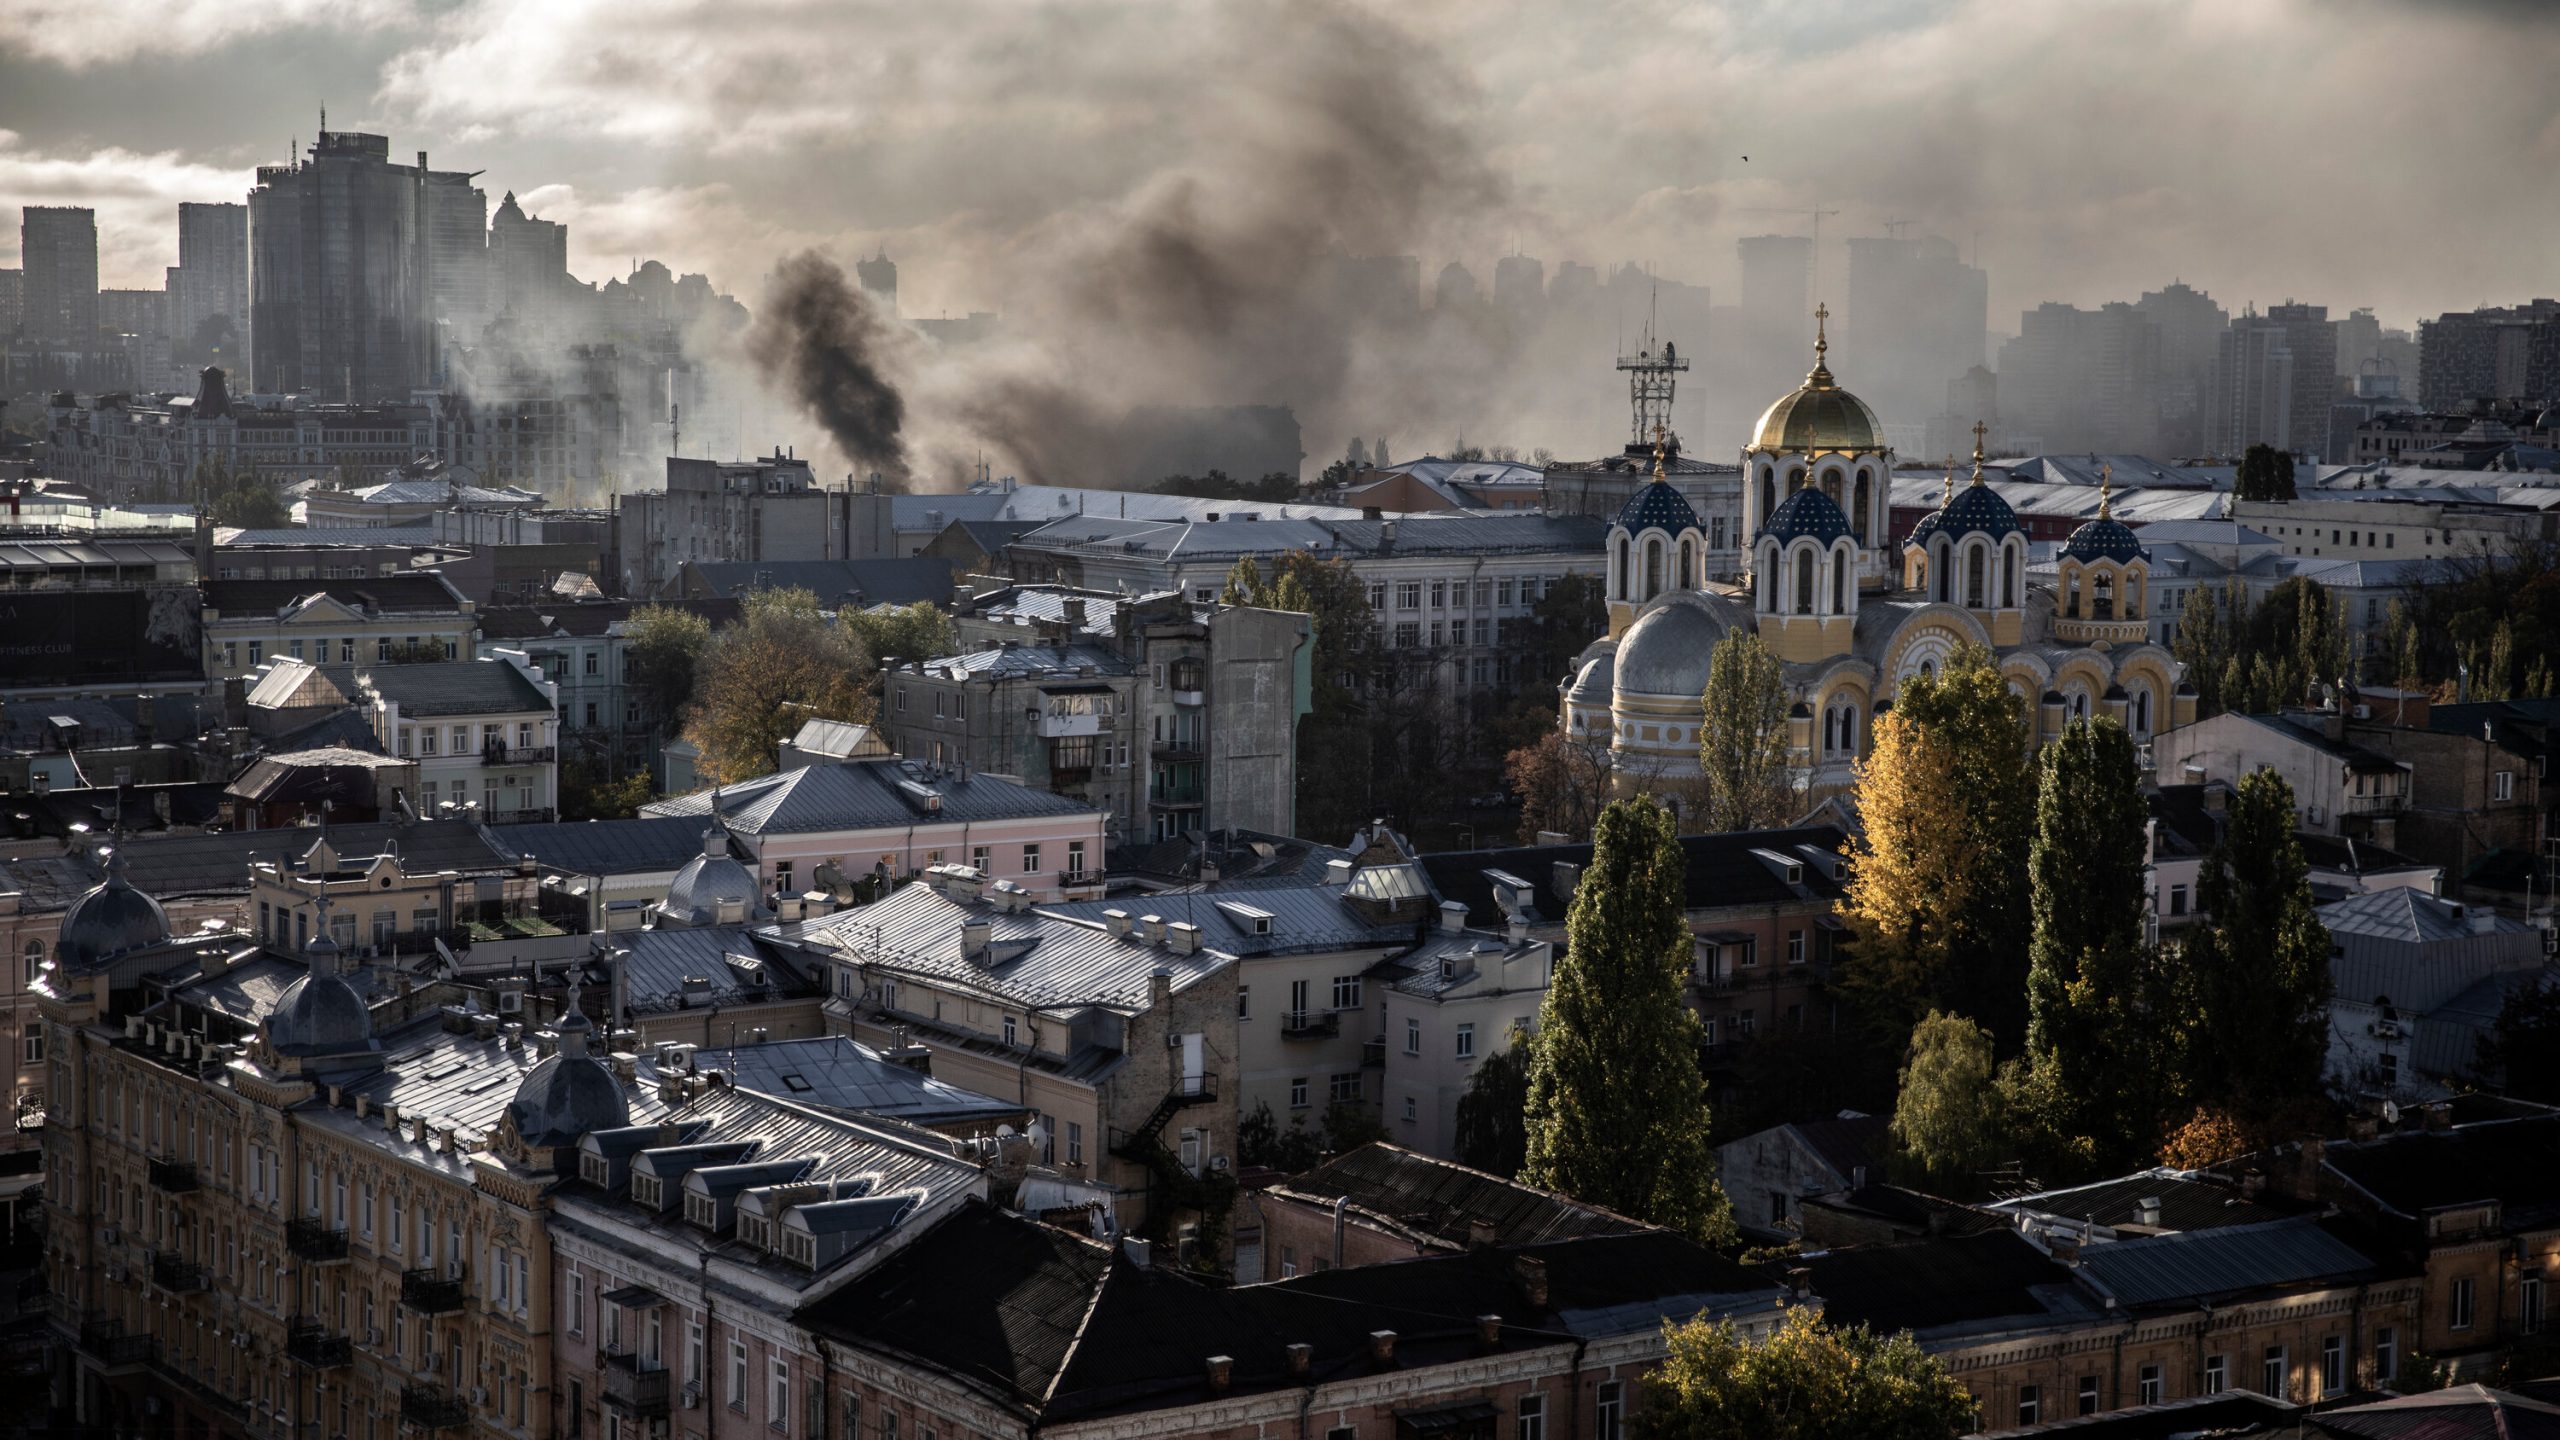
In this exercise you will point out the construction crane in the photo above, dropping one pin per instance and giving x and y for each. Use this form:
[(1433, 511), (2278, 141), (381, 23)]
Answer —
[(1816, 214), (1895, 228)]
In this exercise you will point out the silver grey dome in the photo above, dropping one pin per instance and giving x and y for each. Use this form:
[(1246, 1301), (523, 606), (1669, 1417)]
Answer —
[(1591, 687), (570, 1095), (110, 920), (1668, 651), (320, 1014), (709, 880)]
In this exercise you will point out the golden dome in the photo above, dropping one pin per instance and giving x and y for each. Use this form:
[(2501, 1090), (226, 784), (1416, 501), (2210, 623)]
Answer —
[(1818, 415)]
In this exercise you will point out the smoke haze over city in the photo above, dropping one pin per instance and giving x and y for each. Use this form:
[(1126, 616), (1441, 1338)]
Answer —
[(1153, 198)]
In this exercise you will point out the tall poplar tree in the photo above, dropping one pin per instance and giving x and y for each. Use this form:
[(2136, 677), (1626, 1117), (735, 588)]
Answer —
[(1937, 899), (2093, 1005), (1617, 1106), (2258, 968), (1742, 743)]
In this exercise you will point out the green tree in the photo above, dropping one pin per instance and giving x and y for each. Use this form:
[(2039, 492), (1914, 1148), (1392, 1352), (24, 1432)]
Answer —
[(1742, 744), (2266, 473), (781, 665), (1937, 901), (1948, 1122), (664, 647), (1617, 1110), (586, 793), (250, 503), (2257, 971), (920, 631), (2521, 1056), (2093, 1008), (1810, 1380), (1493, 1114)]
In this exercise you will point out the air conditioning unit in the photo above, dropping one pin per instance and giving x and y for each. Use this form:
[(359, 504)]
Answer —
[(110, 1234), (692, 1395), (1172, 1041), (510, 1002), (1218, 1162), (2313, 815), (479, 1395), (115, 1274), (2362, 712)]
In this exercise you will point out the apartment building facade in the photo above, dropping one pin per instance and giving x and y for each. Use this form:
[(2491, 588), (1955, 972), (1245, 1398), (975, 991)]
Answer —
[(343, 622)]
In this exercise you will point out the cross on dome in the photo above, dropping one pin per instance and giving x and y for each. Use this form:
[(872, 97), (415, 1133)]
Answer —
[(1661, 434), (2106, 489), (1979, 430)]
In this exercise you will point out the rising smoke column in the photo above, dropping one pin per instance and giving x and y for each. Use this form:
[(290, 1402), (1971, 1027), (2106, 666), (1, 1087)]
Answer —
[(820, 337)]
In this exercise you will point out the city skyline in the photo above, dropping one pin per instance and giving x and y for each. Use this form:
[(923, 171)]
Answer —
[(710, 167)]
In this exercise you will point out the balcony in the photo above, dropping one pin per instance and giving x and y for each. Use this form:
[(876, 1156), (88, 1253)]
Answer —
[(432, 1407), (429, 1292), (1069, 726), (170, 1271), (1373, 1054), (635, 1386), (106, 1342), (1176, 750), (307, 1342), (311, 1239), (173, 1177), (2373, 804), (515, 755), (1309, 1025)]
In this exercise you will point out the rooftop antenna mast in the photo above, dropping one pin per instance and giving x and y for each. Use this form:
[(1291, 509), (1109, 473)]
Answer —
[(1652, 378)]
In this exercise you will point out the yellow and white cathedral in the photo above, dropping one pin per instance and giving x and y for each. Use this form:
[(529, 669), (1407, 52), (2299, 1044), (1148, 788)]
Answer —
[(1850, 613)]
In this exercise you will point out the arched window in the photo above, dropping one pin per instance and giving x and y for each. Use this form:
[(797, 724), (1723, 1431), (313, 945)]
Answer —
[(2009, 579), (2142, 710), (1795, 478), (35, 961), (1618, 572), (1768, 494), (1830, 730), (1973, 577), (1866, 498), (1688, 563), (1804, 583), (1943, 580), (1849, 728), (1831, 486), (1652, 568), (1839, 587), (2102, 595)]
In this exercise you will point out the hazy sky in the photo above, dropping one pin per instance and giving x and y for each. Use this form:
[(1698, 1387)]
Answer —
[(2353, 152)]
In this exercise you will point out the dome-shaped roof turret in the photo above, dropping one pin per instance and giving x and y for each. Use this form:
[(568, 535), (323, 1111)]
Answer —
[(111, 920), (1668, 651), (710, 880), (1928, 525), (320, 1014), (1978, 509), (571, 1094), (1806, 512), (1818, 415), (2104, 537), (1659, 506)]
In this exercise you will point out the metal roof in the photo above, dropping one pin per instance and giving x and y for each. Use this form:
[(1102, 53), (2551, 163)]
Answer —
[(645, 846), (1033, 959), (836, 1072), (2412, 917), (865, 795), (2198, 1264)]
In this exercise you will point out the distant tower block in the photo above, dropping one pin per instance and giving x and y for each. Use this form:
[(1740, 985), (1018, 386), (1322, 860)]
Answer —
[(879, 278), (1651, 377)]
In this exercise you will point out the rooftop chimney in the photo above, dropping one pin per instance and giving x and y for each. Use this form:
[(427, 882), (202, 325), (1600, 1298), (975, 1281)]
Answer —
[(2146, 1211), (1141, 1252), (1479, 1233), (1531, 1273), (1182, 937), (1382, 1347), (975, 934), (1453, 916), (1302, 1359), (1117, 920), (1222, 1369), (1337, 872), (1489, 1330)]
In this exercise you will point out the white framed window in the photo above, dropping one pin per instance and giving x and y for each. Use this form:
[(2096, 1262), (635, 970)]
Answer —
[(2273, 1369), (1412, 1036), (2147, 1386), (1608, 1416), (2333, 1365), (2030, 1404), (2459, 1304), (2502, 785), (2217, 1374), (1030, 859), (737, 1373), (1533, 1408), (1346, 992), (2386, 1355), (1466, 1042), (2529, 1305), (577, 1302), (778, 1394)]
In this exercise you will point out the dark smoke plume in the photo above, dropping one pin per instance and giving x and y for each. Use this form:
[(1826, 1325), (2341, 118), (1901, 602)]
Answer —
[(819, 336)]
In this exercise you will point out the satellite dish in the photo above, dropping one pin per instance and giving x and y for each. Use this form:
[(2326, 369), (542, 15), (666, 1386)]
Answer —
[(1004, 1132), (2390, 1112)]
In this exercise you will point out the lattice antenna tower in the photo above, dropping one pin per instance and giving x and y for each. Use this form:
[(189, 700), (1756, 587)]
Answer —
[(1653, 374)]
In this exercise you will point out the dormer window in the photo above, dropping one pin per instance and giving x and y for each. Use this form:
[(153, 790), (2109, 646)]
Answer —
[(800, 1249), (753, 1229), (702, 1210), (595, 1170), (645, 1190)]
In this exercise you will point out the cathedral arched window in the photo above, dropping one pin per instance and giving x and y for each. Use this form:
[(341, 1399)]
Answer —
[(1768, 494), (1849, 728), (1974, 560), (1831, 486), (1839, 587), (1652, 568), (1943, 579), (1618, 571), (1804, 582), (2011, 560), (2102, 596), (1795, 478), (1688, 563), (1830, 731), (2142, 710), (1866, 498)]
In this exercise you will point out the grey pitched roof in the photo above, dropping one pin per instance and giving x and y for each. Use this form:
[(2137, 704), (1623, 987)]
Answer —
[(1018, 662), (1033, 958), (865, 795), (1443, 1199), (453, 687), (836, 1072), (2198, 1264), (895, 581), (218, 864), (423, 591), (2412, 917), (2186, 1203), (605, 847), (740, 968)]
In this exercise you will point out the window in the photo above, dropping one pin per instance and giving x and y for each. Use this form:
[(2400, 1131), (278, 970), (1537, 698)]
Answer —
[(2088, 1394), (778, 1396), (2529, 1305), (2502, 786), (1795, 947), (1030, 859), (1075, 860), (1075, 1142), (32, 1047), (2030, 1404), (1533, 1408), (1412, 1037), (2177, 899), (257, 652), (2217, 1374), (2271, 1372), (2333, 1365), (2386, 1355), (1409, 595), (1777, 1207), (1244, 1002), (1409, 1110), (737, 1373), (1345, 1087), (1608, 1416), (2458, 1306), (978, 859), (1298, 1092), (2147, 1388), (1346, 992), (1466, 1042), (1008, 1030), (1439, 594)]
